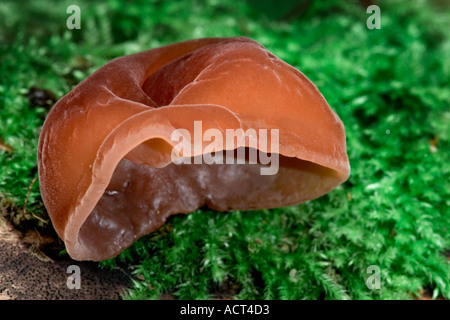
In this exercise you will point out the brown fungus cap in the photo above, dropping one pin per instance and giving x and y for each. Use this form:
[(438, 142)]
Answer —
[(105, 167)]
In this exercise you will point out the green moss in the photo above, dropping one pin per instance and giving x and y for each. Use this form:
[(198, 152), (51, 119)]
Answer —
[(390, 87)]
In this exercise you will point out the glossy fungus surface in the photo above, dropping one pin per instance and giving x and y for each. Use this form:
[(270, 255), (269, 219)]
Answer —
[(105, 166)]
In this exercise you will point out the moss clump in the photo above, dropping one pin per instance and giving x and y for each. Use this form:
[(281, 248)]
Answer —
[(389, 87)]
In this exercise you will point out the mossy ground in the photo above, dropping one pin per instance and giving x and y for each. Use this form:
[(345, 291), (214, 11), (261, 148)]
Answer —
[(389, 86)]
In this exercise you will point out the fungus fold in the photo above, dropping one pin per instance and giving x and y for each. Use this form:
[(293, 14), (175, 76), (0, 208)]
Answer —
[(106, 171)]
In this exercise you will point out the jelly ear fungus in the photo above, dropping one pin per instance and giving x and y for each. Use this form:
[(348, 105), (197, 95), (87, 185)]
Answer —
[(104, 155)]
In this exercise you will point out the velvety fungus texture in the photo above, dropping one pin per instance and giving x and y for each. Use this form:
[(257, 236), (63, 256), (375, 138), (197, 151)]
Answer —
[(105, 167)]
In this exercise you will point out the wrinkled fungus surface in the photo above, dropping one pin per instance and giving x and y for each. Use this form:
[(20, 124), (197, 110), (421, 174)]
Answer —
[(105, 167)]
